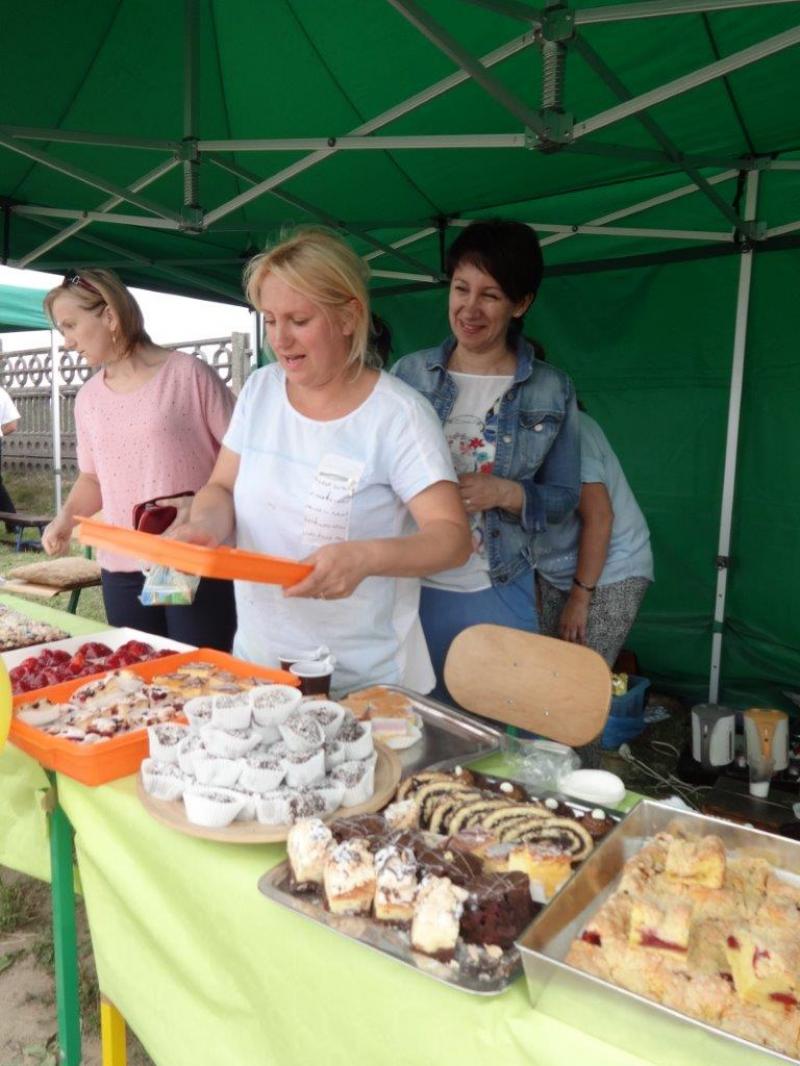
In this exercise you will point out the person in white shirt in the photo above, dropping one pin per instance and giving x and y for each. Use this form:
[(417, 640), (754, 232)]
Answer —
[(335, 462), (9, 423)]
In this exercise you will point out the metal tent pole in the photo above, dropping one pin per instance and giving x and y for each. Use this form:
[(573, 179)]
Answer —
[(55, 400), (732, 441)]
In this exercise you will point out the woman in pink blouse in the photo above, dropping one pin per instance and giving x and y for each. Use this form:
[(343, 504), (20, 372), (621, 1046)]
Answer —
[(149, 425)]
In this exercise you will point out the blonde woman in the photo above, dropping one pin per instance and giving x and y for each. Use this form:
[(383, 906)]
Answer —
[(330, 460), (149, 424)]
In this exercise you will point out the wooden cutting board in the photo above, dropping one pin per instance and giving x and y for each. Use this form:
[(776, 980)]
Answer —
[(559, 690)]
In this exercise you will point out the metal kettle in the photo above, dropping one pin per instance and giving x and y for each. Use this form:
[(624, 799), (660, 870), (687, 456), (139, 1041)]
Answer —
[(713, 729)]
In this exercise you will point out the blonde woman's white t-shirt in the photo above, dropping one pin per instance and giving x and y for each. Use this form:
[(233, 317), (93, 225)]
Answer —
[(303, 483)]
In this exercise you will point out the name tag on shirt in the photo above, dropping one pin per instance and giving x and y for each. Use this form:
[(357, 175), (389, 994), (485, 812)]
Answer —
[(326, 519)]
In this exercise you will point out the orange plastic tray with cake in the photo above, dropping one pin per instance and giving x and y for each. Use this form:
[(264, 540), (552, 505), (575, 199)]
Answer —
[(228, 564), (107, 760)]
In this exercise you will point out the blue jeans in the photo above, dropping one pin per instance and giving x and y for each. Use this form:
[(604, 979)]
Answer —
[(445, 614)]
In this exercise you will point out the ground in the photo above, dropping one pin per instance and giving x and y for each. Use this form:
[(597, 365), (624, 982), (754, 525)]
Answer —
[(28, 1015)]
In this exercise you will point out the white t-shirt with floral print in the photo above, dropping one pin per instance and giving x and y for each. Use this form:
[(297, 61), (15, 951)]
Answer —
[(471, 432)]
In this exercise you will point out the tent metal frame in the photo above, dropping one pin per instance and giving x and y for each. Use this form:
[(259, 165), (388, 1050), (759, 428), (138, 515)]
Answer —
[(554, 29)]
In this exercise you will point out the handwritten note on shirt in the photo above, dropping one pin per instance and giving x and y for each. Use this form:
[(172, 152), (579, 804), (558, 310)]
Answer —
[(329, 504)]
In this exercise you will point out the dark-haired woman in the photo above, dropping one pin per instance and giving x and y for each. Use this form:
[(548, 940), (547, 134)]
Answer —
[(512, 425)]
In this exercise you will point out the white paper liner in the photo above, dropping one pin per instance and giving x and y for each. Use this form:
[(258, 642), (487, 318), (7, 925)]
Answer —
[(229, 745), (359, 791), (272, 704), (270, 734), (207, 807), (334, 755), (188, 749), (214, 771), (231, 712), (363, 746), (309, 772), (261, 778), (331, 791), (162, 780), (248, 799), (310, 738), (329, 714), (273, 807), (164, 741), (198, 712)]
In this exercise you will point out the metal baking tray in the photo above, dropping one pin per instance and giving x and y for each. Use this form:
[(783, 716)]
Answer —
[(395, 943), (656, 1033), (391, 941), (448, 734)]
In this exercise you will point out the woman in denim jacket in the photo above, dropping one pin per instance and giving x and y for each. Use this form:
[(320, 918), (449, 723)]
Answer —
[(512, 425)]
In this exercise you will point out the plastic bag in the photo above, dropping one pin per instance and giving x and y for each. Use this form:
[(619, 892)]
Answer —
[(165, 587), (540, 763)]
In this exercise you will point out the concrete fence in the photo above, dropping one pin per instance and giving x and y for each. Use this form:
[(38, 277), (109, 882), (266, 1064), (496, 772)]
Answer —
[(27, 376)]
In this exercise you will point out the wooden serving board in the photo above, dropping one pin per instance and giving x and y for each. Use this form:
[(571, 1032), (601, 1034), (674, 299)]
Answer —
[(44, 592), (559, 690), (172, 813)]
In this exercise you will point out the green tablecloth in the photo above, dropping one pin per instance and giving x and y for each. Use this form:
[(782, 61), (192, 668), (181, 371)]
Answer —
[(23, 825), (209, 972)]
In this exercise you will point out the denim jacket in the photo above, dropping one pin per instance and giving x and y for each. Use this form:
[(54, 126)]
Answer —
[(538, 445)]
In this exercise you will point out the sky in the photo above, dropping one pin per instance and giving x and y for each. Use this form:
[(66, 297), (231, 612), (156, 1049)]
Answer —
[(168, 318)]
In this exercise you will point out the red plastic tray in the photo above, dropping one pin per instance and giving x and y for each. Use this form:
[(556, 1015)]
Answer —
[(229, 564), (107, 760)]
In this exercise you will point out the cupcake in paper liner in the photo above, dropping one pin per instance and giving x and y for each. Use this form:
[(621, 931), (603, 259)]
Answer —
[(231, 712), (198, 712), (270, 734), (330, 791), (304, 767), (334, 754), (229, 743), (272, 704), (358, 779), (306, 803), (213, 771), (357, 739), (272, 808), (213, 808), (162, 780), (302, 732), (164, 741), (249, 800), (328, 713), (262, 772), (189, 747)]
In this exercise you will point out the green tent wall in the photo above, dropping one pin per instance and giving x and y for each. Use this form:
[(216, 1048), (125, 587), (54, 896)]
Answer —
[(145, 125)]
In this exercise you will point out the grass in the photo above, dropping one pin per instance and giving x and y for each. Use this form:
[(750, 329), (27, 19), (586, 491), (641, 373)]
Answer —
[(16, 906), (34, 493)]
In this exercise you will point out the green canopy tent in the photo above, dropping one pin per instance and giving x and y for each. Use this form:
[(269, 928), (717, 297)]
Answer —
[(21, 309), (653, 145)]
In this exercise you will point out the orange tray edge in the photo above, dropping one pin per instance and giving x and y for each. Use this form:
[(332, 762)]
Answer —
[(227, 564)]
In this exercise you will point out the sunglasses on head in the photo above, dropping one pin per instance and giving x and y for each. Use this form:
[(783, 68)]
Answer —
[(73, 278)]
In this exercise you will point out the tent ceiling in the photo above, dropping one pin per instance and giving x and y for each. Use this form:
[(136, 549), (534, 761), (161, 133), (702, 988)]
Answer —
[(181, 123)]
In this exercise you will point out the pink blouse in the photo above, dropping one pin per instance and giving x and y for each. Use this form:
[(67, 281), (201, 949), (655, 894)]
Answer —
[(160, 440)]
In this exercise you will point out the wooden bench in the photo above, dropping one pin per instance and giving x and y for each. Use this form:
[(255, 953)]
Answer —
[(21, 521)]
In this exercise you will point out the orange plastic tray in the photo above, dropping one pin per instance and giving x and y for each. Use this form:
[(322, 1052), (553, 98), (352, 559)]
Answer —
[(95, 764), (229, 564)]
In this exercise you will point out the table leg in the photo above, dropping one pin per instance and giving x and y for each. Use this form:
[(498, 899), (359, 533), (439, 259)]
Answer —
[(74, 596), (112, 1034), (65, 939)]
